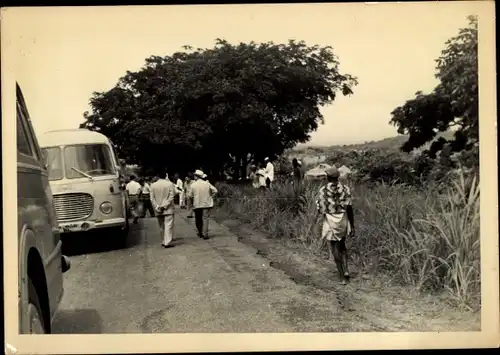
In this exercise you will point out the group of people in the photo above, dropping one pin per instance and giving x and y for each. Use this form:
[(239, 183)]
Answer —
[(196, 193), (262, 174), (158, 195)]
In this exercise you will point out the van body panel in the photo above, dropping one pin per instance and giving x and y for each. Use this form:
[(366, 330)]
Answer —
[(38, 230)]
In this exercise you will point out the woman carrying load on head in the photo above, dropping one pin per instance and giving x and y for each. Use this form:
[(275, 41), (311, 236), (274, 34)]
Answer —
[(334, 204)]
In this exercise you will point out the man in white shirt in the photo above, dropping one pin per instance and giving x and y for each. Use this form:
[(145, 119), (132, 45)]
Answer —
[(133, 188), (162, 193), (145, 198), (269, 171), (179, 186), (202, 194)]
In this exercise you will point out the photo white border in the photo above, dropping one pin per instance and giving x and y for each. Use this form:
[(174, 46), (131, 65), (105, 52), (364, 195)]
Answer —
[(11, 18)]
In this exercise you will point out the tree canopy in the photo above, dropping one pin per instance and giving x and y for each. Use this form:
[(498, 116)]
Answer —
[(453, 104), (209, 107)]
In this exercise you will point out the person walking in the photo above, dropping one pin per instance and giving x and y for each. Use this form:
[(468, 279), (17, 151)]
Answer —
[(297, 172), (162, 193), (145, 198), (187, 189), (269, 172), (179, 186), (202, 193), (133, 188), (335, 207)]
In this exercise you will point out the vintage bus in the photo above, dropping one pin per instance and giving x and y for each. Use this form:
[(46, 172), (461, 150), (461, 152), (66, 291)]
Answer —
[(41, 263), (86, 181)]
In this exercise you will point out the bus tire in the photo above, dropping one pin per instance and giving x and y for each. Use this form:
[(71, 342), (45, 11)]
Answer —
[(35, 315)]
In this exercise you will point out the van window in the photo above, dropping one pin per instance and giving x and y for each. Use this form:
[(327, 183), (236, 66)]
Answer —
[(23, 145), (53, 161), (91, 159)]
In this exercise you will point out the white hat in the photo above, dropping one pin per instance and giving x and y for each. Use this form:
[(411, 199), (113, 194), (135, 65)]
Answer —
[(199, 173), (266, 159)]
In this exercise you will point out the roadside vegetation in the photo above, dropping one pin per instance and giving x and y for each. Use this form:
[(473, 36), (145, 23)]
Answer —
[(416, 202), (426, 238)]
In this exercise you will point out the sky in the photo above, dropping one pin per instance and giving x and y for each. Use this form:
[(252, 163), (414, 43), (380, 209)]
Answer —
[(66, 54)]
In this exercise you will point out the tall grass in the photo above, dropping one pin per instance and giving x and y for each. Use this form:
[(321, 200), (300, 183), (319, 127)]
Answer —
[(427, 238)]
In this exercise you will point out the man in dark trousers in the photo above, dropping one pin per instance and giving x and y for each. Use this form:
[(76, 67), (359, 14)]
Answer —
[(202, 195)]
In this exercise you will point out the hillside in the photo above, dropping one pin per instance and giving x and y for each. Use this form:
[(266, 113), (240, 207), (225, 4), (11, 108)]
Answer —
[(316, 155), (386, 143)]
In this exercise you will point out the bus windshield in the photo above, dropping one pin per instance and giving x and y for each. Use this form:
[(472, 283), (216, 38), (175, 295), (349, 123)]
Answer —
[(53, 162), (88, 160)]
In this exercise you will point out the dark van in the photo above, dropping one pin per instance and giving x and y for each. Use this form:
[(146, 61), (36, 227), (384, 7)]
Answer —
[(41, 263)]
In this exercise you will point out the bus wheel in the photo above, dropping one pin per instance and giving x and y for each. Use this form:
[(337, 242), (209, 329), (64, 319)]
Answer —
[(35, 319)]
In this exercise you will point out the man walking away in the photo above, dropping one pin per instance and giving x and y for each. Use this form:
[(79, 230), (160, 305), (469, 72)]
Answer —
[(202, 193), (179, 186), (334, 204), (146, 198), (133, 188), (162, 199), (187, 191), (269, 171)]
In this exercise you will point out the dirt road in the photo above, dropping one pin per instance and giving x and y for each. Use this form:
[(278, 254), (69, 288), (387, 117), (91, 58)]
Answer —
[(238, 281)]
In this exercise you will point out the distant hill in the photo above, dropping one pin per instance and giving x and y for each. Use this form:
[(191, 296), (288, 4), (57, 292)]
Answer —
[(316, 154), (386, 143)]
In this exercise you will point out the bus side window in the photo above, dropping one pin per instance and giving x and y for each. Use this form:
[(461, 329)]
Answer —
[(23, 144)]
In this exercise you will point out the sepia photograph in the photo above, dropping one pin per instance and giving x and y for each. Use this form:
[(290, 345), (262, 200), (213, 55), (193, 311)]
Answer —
[(250, 177)]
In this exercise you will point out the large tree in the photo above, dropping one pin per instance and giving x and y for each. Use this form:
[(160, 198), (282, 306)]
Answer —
[(225, 104), (453, 104)]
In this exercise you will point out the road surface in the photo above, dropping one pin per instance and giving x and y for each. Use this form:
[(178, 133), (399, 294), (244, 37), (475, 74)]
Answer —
[(218, 285)]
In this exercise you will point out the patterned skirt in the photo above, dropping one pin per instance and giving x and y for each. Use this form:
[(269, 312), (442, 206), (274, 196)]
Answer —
[(335, 226)]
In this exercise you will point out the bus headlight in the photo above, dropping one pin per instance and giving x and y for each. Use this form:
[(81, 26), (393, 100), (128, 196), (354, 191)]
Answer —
[(106, 207)]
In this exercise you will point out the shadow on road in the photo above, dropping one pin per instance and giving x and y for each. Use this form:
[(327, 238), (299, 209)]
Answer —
[(78, 321), (98, 241)]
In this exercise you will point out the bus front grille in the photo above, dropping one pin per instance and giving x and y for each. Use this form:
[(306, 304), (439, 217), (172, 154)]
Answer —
[(73, 206)]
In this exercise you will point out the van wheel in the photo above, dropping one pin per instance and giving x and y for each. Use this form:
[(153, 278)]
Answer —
[(35, 319)]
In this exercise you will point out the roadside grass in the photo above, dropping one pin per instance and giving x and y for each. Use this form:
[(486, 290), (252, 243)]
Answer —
[(425, 238)]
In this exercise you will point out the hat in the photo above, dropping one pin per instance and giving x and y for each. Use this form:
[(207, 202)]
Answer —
[(199, 173), (332, 172), (266, 159)]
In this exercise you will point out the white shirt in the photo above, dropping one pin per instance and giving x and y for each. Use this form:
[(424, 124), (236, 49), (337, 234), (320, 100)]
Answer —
[(133, 187), (270, 171), (146, 189), (179, 186), (202, 193)]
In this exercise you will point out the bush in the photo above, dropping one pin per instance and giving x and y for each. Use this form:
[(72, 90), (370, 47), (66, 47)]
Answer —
[(424, 237)]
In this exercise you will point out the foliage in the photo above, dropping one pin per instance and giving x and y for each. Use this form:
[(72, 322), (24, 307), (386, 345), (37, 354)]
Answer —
[(220, 105), (452, 104), (427, 238)]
